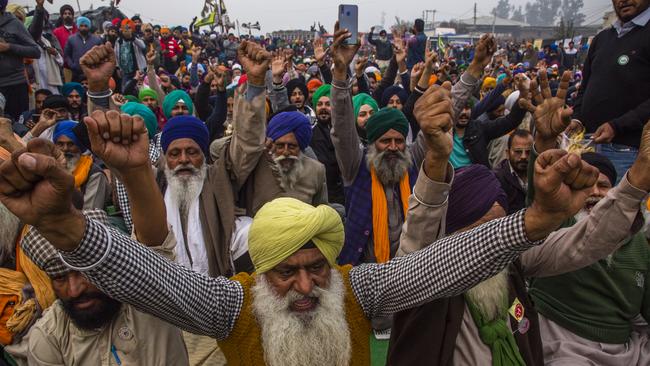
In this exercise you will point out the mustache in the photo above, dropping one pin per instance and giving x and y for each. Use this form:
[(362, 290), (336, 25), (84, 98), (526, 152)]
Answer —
[(280, 158), (592, 200), (189, 167), (85, 297)]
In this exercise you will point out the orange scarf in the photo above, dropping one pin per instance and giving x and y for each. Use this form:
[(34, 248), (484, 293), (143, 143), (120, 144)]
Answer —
[(81, 170), (380, 214)]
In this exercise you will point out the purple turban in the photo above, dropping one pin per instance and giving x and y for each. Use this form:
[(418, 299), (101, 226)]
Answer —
[(287, 122), (393, 90), (185, 127), (473, 192)]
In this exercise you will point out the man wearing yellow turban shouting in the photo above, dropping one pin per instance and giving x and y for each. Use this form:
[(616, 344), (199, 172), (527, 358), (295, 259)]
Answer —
[(299, 308)]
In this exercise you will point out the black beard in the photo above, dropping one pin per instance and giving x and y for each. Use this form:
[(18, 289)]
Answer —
[(84, 33), (91, 319), (326, 122)]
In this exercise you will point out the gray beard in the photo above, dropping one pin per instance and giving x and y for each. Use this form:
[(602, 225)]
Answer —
[(185, 189), (321, 337), (389, 173), (71, 161), (491, 296), (289, 174), (9, 226)]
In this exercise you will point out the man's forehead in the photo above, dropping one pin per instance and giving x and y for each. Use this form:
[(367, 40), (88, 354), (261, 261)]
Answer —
[(183, 143)]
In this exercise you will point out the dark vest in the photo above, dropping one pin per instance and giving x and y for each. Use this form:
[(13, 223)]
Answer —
[(426, 335), (358, 212)]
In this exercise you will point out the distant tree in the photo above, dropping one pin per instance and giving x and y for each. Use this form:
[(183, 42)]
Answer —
[(571, 12), (542, 12), (503, 9), (518, 14)]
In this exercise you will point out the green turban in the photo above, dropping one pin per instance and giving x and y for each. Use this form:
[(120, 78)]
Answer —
[(386, 119), (362, 99), (173, 98), (323, 91), (131, 98), (147, 92), (284, 225), (150, 120)]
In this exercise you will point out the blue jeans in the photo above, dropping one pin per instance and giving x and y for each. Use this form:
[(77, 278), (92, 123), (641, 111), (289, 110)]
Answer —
[(622, 156)]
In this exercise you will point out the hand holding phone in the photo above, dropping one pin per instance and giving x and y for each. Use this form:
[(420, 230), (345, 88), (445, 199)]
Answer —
[(349, 19)]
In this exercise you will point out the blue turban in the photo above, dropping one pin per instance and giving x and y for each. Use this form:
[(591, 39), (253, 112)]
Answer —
[(83, 21), (393, 90), (67, 88), (185, 127), (287, 122), (473, 192), (64, 128)]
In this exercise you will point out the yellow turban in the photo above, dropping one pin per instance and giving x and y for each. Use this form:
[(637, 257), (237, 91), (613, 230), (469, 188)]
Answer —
[(284, 225), (489, 83)]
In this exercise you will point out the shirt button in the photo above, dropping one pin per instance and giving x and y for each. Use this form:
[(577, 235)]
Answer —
[(367, 232)]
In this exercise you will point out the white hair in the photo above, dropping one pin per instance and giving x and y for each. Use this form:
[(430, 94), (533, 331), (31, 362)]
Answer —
[(185, 189), (491, 296), (320, 337)]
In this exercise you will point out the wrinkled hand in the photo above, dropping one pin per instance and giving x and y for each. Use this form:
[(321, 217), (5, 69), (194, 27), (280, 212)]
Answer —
[(562, 183), (574, 127), (255, 61), (551, 114), (485, 48), (360, 66), (430, 60), (319, 51), (434, 112), (604, 134), (34, 186), (98, 65), (120, 140), (342, 53)]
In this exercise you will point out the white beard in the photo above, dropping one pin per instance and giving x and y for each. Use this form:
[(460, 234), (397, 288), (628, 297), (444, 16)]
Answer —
[(9, 226), (320, 338), (71, 161), (388, 173), (185, 189), (291, 174), (491, 296)]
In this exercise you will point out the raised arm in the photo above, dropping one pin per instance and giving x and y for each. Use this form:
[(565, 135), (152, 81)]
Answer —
[(469, 80), (609, 224), (344, 134), (457, 263), (152, 77), (155, 285), (249, 120)]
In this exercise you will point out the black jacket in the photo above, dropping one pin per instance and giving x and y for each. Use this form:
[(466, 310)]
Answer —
[(321, 143), (384, 48), (511, 186), (478, 134)]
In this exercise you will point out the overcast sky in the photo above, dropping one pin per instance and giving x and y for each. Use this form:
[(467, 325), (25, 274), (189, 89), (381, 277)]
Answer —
[(294, 14)]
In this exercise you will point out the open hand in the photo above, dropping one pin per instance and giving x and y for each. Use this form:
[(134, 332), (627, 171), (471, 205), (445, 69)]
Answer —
[(98, 65), (278, 68), (319, 51), (360, 66), (551, 114)]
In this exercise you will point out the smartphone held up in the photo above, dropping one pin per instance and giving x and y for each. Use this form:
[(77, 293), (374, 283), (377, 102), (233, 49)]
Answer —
[(349, 19)]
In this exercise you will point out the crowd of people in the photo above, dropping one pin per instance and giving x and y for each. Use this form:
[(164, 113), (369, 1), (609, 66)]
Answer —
[(172, 197)]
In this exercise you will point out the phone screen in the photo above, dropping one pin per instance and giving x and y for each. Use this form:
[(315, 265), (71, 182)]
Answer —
[(349, 19)]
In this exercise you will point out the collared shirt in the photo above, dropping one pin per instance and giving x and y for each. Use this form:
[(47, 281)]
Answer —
[(639, 21), (522, 182)]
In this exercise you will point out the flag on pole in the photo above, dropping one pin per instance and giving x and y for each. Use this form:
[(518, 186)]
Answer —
[(208, 21), (441, 44)]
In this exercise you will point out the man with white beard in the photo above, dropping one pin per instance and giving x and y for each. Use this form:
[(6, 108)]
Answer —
[(294, 247), (302, 177), (90, 179), (495, 321)]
